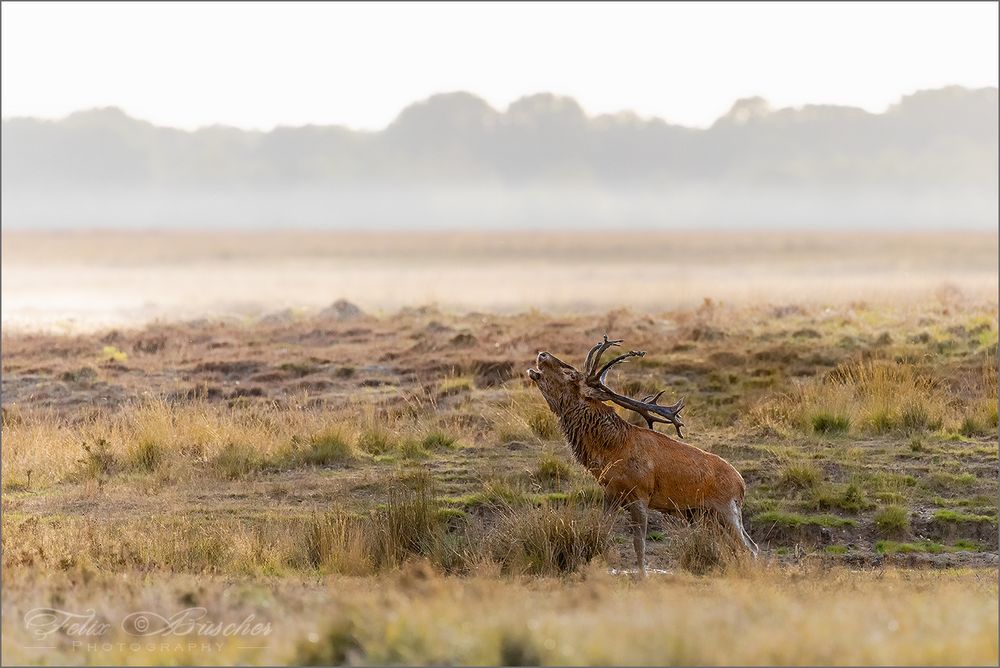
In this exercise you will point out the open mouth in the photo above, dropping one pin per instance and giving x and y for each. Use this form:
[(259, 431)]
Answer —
[(534, 374)]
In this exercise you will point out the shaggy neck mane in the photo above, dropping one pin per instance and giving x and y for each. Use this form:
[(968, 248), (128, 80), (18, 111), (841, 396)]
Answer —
[(593, 431)]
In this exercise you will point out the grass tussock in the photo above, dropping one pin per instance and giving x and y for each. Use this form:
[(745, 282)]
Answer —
[(892, 521), (980, 415), (550, 540), (800, 476), (330, 445), (850, 498), (871, 397), (552, 469), (948, 515), (376, 439), (704, 546)]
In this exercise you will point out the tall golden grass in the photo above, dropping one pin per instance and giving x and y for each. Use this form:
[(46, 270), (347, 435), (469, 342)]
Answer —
[(874, 396)]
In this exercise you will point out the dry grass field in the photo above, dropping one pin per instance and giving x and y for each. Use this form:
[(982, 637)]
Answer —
[(382, 485)]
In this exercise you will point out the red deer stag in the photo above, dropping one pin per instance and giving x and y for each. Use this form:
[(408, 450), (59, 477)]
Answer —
[(637, 467)]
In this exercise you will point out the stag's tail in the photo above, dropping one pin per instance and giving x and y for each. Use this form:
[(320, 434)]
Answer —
[(736, 519), (748, 541)]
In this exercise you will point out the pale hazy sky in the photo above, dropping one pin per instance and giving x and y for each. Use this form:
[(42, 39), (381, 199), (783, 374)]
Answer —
[(258, 65)]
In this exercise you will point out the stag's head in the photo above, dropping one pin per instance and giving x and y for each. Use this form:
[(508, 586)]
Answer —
[(563, 386), (560, 384)]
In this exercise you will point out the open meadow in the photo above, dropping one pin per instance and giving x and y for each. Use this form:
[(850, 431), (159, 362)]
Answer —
[(333, 435)]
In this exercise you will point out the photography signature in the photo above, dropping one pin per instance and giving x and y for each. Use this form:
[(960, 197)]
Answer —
[(42, 623)]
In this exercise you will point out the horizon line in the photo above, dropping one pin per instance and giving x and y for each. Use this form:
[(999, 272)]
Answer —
[(454, 93)]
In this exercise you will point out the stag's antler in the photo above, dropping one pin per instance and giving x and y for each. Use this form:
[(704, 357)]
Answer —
[(647, 408), (594, 356)]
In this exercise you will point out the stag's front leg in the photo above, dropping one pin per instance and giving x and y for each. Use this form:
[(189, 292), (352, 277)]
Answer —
[(640, 519)]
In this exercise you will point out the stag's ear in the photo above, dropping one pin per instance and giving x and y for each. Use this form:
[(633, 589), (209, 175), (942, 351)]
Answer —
[(595, 393)]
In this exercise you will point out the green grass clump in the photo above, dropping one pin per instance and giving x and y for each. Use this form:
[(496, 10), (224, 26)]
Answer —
[(551, 468), (850, 499), (885, 485), (957, 516), (967, 545), (800, 476), (914, 418), (376, 440), (892, 520), (495, 494), (146, 454), (835, 549), (796, 520), (875, 397), (926, 546), (978, 500), (409, 524), (828, 423), (329, 446), (412, 449), (943, 481), (438, 440)]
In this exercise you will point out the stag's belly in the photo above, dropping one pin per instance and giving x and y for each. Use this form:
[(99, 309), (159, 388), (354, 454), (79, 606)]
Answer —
[(683, 492)]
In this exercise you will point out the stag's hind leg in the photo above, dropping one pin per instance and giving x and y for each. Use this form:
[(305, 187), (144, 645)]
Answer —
[(640, 519)]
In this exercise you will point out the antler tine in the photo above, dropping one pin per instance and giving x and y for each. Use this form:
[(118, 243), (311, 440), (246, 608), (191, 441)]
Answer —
[(603, 373), (653, 398), (594, 356)]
